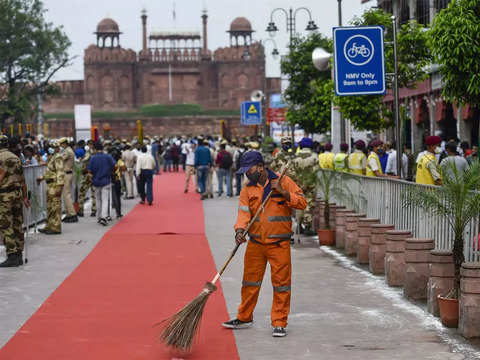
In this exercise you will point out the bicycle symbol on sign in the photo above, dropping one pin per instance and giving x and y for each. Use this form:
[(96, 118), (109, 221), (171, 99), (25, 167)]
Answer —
[(358, 50)]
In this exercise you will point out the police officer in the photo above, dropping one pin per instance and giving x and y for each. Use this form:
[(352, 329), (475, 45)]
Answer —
[(340, 161), (86, 181), (305, 160), (283, 155), (54, 176), (12, 190), (427, 167), (68, 162)]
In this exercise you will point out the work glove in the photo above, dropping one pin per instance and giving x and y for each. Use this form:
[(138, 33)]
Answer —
[(239, 236)]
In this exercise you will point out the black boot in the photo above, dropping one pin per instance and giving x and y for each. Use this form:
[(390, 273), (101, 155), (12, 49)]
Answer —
[(20, 257), (80, 213), (12, 261)]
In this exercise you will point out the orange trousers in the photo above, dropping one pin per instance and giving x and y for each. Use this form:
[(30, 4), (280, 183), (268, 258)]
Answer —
[(255, 263)]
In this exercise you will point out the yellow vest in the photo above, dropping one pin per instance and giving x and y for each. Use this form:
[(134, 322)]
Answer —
[(379, 165), (326, 160), (339, 162), (423, 174), (355, 161)]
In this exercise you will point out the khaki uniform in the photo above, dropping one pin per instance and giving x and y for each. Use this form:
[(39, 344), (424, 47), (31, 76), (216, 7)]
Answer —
[(11, 204), (304, 160), (68, 162), (86, 184), (55, 178), (279, 162)]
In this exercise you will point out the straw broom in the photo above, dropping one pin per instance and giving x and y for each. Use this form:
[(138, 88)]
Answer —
[(180, 329)]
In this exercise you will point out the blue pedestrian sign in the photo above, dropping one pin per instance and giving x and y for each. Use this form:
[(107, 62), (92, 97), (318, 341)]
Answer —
[(251, 113), (359, 60)]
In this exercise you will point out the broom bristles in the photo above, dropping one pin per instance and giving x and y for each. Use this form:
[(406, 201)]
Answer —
[(180, 329)]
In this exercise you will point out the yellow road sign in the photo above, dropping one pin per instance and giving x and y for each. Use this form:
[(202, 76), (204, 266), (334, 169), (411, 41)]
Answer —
[(252, 110)]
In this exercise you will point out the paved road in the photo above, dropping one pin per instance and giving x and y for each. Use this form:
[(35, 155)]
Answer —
[(339, 311)]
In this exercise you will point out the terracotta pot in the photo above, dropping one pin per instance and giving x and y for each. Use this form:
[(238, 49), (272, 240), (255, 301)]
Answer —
[(326, 237), (448, 311)]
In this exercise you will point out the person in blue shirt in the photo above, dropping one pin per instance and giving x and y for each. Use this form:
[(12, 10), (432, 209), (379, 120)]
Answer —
[(203, 162), (101, 166), (383, 157)]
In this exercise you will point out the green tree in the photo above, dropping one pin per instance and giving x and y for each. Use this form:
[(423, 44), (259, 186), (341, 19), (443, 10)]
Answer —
[(307, 95), (32, 50), (455, 38), (368, 112)]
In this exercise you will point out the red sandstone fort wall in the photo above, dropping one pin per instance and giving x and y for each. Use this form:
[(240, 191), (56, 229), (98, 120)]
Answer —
[(168, 126)]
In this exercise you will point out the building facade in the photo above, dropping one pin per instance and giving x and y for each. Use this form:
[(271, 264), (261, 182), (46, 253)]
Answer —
[(171, 68), (427, 111)]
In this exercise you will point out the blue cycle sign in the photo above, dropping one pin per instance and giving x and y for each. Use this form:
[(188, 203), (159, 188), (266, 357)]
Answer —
[(359, 60)]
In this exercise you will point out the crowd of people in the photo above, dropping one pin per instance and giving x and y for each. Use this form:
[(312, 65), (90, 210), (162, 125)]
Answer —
[(109, 168)]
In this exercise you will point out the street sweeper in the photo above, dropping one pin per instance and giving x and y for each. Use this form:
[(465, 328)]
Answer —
[(269, 239)]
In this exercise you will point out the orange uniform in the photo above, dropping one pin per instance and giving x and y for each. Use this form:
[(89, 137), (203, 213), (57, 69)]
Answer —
[(269, 242)]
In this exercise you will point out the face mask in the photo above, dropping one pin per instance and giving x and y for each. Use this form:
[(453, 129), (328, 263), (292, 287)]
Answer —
[(254, 177), (87, 147), (51, 151), (286, 147), (438, 150)]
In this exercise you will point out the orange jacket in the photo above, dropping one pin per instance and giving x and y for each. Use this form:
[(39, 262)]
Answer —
[(274, 222)]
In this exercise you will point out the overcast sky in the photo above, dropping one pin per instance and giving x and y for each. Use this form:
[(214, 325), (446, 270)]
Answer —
[(80, 18)]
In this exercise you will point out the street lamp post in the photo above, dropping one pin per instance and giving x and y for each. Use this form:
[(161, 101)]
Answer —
[(291, 16)]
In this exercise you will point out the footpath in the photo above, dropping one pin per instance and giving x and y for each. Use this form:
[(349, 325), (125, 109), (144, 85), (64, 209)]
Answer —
[(339, 310)]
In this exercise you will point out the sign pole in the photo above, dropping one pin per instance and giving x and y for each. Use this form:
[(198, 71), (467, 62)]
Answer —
[(398, 130)]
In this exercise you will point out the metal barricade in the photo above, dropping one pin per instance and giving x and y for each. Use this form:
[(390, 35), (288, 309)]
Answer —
[(382, 198), (38, 194)]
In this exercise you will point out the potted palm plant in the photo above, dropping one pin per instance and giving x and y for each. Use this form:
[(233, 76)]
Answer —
[(458, 200)]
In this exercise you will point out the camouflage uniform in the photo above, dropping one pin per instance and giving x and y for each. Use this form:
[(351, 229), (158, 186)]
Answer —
[(86, 184), (54, 177), (305, 159), (68, 163), (11, 204), (279, 162)]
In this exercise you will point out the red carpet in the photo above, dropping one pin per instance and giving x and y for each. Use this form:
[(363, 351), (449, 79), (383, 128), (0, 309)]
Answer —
[(144, 269)]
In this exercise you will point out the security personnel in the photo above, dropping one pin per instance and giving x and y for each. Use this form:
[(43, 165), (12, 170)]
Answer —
[(374, 167), (427, 167), (340, 161), (283, 156), (13, 195), (357, 161), (326, 159), (68, 162), (87, 181), (269, 240), (54, 176), (305, 160)]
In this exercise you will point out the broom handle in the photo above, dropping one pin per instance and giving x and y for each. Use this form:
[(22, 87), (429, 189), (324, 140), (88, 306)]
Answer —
[(252, 220)]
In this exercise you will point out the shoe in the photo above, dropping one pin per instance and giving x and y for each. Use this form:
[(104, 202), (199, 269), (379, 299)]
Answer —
[(150, 203), (48, 231), (71, 219), (279, 331), (186, 191), (80, 214), (211, 196), (237, 324), (66, 219), (108, 218), (11, 261), (119, 216), (142, 202), (20, 257), (93, 214), (102, 221)]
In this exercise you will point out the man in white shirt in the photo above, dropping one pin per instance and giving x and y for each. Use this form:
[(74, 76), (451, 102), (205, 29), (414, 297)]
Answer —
[(391, 168), (144, 170), (189, 165)]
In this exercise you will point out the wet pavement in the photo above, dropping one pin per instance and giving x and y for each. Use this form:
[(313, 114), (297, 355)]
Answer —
[(339, 310)]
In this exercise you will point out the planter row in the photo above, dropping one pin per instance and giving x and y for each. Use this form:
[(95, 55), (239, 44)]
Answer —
[(411, 263)]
